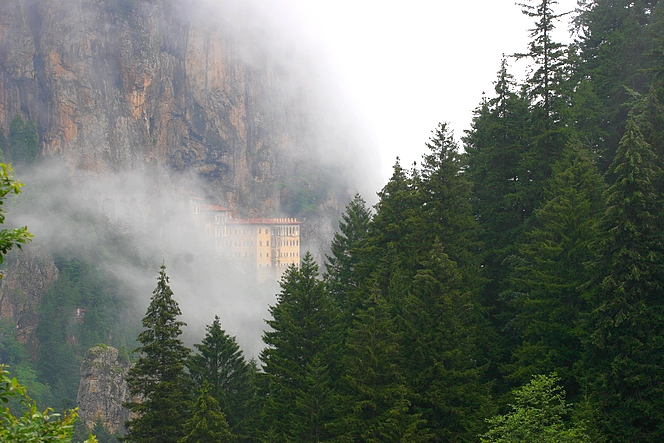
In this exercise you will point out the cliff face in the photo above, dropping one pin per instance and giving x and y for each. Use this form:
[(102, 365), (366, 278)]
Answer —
[(29, 274), (140, 85), (103, 389)]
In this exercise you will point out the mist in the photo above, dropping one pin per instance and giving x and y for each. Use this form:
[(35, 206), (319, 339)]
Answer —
[(112, 184)]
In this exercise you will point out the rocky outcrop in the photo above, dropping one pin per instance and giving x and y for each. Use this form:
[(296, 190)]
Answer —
[(143, 85), (103, 389), (28, 276)]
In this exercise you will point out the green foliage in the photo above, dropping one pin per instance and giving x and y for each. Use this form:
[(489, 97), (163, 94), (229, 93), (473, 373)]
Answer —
[(22, 145), (10, 238), (377, 406), (84, 307), (551, 268), (539, 414), (298, 348), (33, 426), (158, 378), (625, 363), (208, 423), (221, 364)]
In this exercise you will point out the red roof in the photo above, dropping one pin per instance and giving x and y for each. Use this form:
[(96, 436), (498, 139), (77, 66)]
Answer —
[(205, 207), (264, 221)]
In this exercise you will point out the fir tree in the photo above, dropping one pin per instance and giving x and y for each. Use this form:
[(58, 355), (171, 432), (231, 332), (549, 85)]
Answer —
[(626, 353), (298, 349), (443, 353), (377, 407), (207, 423), (341, 266), (550, 269), (158, 380), (220, 363)]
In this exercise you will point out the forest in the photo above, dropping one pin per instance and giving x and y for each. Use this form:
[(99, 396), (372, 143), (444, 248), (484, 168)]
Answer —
[(505, 288)]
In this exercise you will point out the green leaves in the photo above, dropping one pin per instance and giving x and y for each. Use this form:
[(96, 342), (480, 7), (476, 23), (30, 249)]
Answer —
[(539, 414), (34, 426)]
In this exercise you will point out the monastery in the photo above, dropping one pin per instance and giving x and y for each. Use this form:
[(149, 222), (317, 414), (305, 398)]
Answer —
[(267, 245)]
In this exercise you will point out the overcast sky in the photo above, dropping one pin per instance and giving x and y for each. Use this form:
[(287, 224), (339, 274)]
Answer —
[(404, 66)]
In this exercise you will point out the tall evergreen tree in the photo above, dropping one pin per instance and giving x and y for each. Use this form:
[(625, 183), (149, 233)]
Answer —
[(551, 267), (615, 52), (377, 407), (158, 381), (207, 423), (547, 77), (220, 363), (294, 363), (626, 352), (342, 272), (443, 357)]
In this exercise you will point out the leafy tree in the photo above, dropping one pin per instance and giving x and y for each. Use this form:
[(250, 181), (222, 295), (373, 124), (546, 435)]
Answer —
[(158, 380), (298, 349), (220, 363), (34, 426), (10, 238), (208, 423), (538, 415)]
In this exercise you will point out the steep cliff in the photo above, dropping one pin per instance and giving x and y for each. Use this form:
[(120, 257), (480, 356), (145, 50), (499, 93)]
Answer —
[(27, 277), (118, 85), (103, 389)]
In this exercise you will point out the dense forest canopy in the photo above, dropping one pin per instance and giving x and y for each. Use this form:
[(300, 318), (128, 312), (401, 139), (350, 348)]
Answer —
[(507, 288)]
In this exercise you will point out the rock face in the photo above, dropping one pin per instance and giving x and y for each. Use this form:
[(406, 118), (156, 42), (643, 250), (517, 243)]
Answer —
[(29, 274), (103, 389), (141, 84)]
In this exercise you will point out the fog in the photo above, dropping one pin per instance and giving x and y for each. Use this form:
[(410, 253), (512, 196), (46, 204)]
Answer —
[(96, 211)]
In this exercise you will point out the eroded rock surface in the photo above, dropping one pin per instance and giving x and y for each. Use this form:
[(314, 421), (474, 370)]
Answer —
[(103, 388), (29, 275)]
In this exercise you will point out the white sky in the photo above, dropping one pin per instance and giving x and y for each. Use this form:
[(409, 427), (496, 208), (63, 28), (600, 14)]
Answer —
[(404, 66)]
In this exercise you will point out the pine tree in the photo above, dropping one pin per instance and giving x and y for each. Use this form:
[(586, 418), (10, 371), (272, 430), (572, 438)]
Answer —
[(550, 269), (626, 353), (299, 346), (615, 52), (158, 381), (545, 82), (443, 355), (342, 272), (377, 406), (207, 423), (220, 363), (445, 195)]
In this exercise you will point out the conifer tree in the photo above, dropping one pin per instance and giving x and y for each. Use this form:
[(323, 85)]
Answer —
[(220, 362), (377, 407), (158, 381), (443, 355), (207, 423), (550, 269), (445, 194), (294, 362), (342, 273), (626, 352)]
